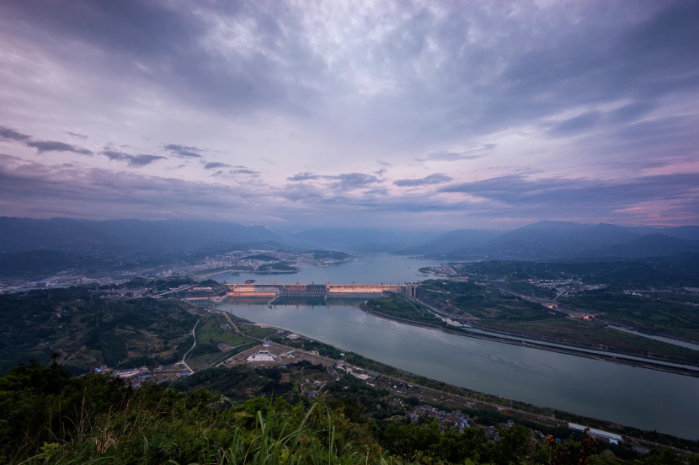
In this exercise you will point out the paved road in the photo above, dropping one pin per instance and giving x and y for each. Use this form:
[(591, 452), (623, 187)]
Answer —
[(194, 335)]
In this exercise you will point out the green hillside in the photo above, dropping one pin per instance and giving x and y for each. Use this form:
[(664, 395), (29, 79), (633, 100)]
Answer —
[(48, 417)]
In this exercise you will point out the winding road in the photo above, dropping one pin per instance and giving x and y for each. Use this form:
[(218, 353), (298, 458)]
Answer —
[(194, 335)]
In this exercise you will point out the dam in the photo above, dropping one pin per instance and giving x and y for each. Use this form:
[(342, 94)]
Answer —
[(323, 291)]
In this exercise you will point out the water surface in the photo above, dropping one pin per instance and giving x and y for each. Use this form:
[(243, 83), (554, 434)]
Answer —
[(368, 269), (643, 398)]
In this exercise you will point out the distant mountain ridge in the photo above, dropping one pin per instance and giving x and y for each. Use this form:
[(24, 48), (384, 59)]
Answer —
[(554, 240), (681, 232), (649, 245), (141, 240), (454, 240), (63, 234)]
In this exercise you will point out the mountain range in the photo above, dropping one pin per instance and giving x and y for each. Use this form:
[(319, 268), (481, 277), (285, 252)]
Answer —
[(153, 240), (553, 240), (63, 234)]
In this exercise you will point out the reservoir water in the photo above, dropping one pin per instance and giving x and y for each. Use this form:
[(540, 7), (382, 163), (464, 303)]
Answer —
[(643, 398), (370, 269)]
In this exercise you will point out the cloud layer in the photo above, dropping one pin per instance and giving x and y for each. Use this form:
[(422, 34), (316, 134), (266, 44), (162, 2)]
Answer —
[(337, 112)]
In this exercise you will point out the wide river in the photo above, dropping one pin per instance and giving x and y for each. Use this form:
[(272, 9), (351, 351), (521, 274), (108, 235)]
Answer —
[(643, 398)]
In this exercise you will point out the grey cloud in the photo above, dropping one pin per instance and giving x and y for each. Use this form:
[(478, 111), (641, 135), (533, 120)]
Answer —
[(432, 179), (304, 177), (529, 75), (449, 156), (424, 79), (183, 151), (11, 134), (132, 160), (582, 196), (75, 134), (246, 171), (215, 164), (351, 181), (53, 146), (41, 145), (346, 181)]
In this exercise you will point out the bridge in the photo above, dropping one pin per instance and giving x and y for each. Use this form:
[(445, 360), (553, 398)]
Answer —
[(324, 291)]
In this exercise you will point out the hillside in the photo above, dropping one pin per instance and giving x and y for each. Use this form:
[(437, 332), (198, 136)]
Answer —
[(556, 240), (454, 240), (649, 245), (48, 417), (23, 234)]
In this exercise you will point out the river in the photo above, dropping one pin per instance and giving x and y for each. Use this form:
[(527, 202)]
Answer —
[(643, 398)]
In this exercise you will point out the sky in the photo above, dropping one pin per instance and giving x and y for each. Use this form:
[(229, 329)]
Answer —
[(390, 114)]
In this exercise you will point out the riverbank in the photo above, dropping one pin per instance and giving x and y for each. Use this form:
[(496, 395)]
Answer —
[(475, 399), (562, 350), (498, 327)]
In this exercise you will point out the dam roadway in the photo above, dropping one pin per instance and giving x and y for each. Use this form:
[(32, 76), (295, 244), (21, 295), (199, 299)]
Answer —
[(323, 291)]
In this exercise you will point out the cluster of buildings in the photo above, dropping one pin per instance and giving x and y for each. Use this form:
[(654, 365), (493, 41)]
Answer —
[(597, 433), (452, 420)]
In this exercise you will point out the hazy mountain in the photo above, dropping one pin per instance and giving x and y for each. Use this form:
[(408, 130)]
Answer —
[(552, 240), (648, 245), (22, 234), (564, 238), (681, 232), (543, 240), (454, 240)]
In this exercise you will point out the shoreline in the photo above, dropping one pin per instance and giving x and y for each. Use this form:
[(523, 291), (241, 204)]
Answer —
[(557, 416), (611, 358)]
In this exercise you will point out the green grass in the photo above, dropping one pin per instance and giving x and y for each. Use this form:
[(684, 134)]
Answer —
[(401, 308), (646, 313), (210, 331), (587, 332), (485, 302), (526, 288), (49, 418), (256, 331), (209, 335)]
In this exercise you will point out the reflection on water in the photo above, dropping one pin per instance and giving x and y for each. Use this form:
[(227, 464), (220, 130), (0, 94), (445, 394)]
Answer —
[(638, 397)]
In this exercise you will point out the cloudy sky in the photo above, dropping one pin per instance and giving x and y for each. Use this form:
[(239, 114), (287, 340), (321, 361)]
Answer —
[(328, 113)]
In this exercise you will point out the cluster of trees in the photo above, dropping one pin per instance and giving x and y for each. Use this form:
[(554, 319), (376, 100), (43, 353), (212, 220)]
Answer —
[(678, 271), (34, 323), (395, 306), (484, 301)]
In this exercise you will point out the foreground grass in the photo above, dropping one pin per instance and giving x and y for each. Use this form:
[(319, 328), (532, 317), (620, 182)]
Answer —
[(48, 417)]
